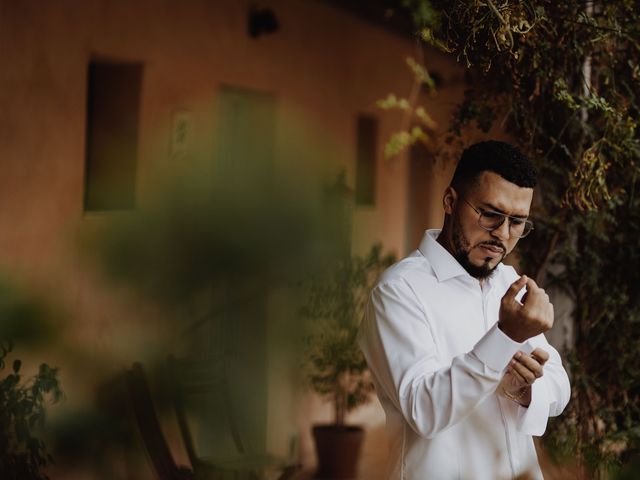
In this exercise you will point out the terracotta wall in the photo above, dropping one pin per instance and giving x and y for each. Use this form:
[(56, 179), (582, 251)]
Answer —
[(323, 65)]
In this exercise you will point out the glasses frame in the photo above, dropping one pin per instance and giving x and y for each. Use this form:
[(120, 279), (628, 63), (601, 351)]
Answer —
[(504, 217)]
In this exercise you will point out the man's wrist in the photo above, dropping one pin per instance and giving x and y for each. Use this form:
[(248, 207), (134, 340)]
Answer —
[(508, 333), (517, 397)]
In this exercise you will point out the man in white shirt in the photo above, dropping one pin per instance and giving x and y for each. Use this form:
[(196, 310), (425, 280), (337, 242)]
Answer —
[(456, 346)]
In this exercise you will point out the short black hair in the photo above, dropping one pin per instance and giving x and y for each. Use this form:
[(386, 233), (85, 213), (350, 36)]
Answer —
[(493, 156)]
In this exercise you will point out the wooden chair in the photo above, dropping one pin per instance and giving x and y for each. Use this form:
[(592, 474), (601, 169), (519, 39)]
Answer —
[(153, 438), (192, 377)]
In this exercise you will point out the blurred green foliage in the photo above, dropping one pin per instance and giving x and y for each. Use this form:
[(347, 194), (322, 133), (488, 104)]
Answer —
[(418, 126), (223, 256), (198, 231), (24, 319)]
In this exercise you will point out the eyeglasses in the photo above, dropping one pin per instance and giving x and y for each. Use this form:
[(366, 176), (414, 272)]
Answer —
[(490, 220)]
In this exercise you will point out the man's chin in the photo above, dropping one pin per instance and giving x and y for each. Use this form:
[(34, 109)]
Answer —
[(484, 271), (492, 263), (481, 269)]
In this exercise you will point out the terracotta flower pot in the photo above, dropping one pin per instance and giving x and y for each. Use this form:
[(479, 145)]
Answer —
[(338, 449)]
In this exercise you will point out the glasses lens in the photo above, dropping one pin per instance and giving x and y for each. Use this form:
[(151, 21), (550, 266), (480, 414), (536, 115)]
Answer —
[(526, 229), (517, 229), (491, 220)]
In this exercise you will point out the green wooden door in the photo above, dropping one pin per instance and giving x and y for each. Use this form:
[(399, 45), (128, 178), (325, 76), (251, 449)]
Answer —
[(244, 161)]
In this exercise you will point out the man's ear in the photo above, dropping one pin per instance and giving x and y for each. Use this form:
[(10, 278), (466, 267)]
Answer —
[(449, 200)]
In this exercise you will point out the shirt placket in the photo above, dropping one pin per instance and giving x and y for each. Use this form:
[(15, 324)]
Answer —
[(508, 431)]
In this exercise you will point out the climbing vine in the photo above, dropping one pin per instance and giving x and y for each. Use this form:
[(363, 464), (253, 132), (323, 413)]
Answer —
[(563, 79)]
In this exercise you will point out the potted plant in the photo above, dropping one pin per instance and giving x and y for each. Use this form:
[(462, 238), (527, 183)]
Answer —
[(334, 365)]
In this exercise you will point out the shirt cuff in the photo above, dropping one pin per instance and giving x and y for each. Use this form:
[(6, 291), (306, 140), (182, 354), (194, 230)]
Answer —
[(496, 349), (533, 419)]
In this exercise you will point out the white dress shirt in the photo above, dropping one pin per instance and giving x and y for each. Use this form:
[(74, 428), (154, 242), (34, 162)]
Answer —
[(437, 356)]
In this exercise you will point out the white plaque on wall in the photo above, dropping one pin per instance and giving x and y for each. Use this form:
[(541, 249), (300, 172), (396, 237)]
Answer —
[(181, 134)]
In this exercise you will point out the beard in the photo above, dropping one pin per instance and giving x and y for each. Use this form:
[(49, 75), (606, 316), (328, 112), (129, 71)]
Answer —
[(463, 248)]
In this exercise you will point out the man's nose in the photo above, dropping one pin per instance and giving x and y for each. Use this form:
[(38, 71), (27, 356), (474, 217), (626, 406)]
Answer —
[(502, 232)]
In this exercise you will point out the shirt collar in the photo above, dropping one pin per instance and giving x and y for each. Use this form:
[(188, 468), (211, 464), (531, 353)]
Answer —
[(443, 263)]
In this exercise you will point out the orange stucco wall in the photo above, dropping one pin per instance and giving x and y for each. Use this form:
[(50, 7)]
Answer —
[(323, 65)]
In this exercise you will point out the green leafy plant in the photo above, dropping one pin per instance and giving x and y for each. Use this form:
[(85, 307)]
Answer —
[(23, 404), (417, 125), (335, 366), (26, 320), (562, 78)]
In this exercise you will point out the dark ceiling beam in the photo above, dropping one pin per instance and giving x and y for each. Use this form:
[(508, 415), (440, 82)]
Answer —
[(388, 14)]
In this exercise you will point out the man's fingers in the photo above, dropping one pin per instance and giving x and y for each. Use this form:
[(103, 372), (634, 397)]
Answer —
[(528, 318), (533, 290), (515, 288), (521, 380), (530, 363), (537, 305), (528, 376), (540, 355), (531, 284)]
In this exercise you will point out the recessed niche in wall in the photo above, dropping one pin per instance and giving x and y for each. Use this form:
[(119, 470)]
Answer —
[(367, 140), (113, 103)]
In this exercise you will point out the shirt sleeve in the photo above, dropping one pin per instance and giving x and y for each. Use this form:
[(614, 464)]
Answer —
[(549, 394), (399, 345)]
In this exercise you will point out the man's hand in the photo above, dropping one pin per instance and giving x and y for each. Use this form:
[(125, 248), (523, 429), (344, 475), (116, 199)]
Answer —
[(523, 370), (526, 320)]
